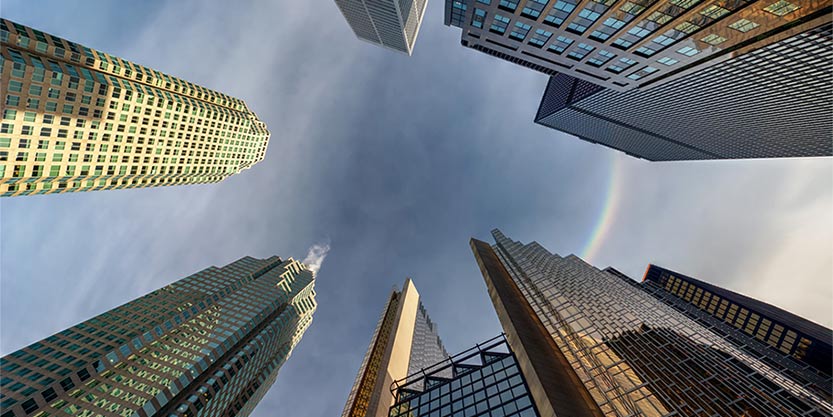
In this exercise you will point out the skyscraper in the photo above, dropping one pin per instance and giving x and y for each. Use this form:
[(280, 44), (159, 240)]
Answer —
[(393, 24), (210, 344), (799, 346), (405, 341), (627, 44), (772, 102), (78, 119), (633, 353), (484, 381)]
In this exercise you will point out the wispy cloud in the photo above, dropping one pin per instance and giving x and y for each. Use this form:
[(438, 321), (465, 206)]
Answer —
[(315, 256)]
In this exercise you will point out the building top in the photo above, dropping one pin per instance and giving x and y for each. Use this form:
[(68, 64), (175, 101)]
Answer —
[(791, 320), (391, 24), (627, 44)]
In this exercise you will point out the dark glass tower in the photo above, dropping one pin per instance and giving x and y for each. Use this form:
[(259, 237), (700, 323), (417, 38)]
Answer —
[(801, 348), (484, 381), (632, 352), (209, 344), (774, 102)]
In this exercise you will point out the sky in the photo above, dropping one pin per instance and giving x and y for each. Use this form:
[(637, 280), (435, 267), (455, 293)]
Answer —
[(392, 163)]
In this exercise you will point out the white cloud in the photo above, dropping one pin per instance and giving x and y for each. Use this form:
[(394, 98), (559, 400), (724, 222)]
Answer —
[(315, 256)]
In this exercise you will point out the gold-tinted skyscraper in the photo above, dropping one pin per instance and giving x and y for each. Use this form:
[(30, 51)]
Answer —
[(77, 119)]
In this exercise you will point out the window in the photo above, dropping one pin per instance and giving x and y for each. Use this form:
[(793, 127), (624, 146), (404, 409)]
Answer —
[(685, 4), (580, 51), (561, 43), (602, 57), (560, 10), (713, 39), (499, 24), (659, 18), (533, 8), (540, 37), (781, 8), (632, 8), (667, 61), (714, 11), (478, 18), (508, 5), (744, 25), (520, 31), (688, 51), (687, 27)]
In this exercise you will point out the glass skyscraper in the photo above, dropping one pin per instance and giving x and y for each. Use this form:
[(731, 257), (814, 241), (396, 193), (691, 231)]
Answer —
[(404, 342), (210, 344), (773, 102), (627, 44), (78, 119), (392, 24), (482, 381), (630, 352)]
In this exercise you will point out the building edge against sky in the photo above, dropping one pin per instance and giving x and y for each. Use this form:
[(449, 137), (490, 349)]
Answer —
[(211, 343), (622, 45), (391, 24), (404, 342), (78, 119), (636, 351)]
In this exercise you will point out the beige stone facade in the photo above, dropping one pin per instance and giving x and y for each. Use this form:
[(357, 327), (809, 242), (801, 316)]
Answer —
[(78, 119)]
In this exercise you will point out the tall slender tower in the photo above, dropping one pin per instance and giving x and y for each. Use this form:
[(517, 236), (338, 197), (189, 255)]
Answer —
[(78, 119), (392, 24), (405, 342), (632, 352), (209, 344)]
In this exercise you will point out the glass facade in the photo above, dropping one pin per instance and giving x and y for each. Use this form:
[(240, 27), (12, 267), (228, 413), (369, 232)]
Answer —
[(627, 44), (482, 381), (637, 355), (756, 88), (78, 119), (404, 342), (393, 24), (800, 348), (209, 344)]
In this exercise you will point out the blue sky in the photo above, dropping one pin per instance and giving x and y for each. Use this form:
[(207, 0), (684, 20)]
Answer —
[(396, 162)]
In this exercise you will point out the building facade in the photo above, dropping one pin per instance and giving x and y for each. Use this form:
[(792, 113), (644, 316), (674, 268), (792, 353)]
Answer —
[(799, 347), (78, 119), (404, 342), (210, 344), (635, 355), (627, 44), (483, 381), (773, 102), (392, 24)]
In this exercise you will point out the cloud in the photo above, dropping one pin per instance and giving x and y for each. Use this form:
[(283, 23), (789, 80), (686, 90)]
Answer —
[(315, 256)]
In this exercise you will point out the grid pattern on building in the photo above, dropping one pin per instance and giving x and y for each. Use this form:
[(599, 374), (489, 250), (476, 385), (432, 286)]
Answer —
[(358, 401), (392, 24), (625, 44), (778, 337), (482, 381), (78, 119), (209, 344), (770, 103), (426, 348), (639, 356)]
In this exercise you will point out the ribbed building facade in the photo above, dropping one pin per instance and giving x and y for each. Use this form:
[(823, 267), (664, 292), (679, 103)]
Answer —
[(627, 44), (634, 355), (392, 24), (798, 347), (773, 102), (404, 342), (210, 344), (79, 119), (484, 381)]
